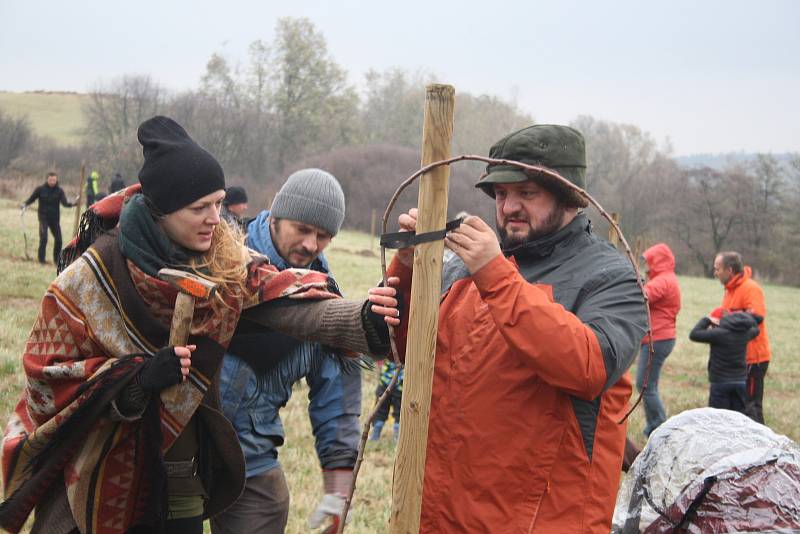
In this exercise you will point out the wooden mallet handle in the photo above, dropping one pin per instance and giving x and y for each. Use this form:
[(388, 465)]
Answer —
[(181, 320)]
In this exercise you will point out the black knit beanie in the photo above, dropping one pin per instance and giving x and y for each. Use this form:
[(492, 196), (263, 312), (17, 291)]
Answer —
[(176, 171), (235, 195)]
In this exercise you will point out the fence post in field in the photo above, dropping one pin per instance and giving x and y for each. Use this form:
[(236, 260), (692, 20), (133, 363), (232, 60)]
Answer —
[(437, 133), (638, 249), (372, 231), (613, 238), (81, 186)]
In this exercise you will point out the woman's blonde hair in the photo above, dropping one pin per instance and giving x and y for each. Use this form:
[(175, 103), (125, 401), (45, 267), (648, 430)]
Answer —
[(225, 263)]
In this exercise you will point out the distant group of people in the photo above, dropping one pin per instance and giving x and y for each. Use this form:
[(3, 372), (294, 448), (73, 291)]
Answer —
[(50, 197), (95, 193), (736, 332)]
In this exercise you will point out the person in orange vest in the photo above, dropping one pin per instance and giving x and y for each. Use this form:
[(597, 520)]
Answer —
[(742, 293)]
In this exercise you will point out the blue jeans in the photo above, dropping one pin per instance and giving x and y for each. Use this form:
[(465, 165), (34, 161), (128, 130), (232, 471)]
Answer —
[(653, 407), (728, 396)]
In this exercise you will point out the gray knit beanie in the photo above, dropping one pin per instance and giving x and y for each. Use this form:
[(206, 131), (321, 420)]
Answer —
[(311, 196)]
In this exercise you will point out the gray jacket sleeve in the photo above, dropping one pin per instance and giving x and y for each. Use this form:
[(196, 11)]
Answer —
[(614, 309)]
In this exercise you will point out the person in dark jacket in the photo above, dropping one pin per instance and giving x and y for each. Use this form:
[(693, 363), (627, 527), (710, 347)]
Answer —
[(306, 215), (536, 333), (51, 197), (728, 335), (235, 206), (117, 184)]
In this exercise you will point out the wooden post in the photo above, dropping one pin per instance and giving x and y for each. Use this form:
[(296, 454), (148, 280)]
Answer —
[(637, 251), (81, 187), (409, 468), (372, 232), (613, 238)]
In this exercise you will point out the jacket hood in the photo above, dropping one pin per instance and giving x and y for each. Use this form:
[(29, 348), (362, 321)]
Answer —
[(737, 280), (659, 259), (738, 321), (259, 238)]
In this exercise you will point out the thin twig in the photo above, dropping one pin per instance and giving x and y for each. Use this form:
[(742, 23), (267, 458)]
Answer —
[(490, 161), (362, 445)]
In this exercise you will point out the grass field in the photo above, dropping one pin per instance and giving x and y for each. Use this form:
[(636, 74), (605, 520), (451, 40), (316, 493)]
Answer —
[(55, 115), (683, 384)]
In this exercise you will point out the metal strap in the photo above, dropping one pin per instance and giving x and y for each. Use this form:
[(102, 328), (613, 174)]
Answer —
[(397, 240)]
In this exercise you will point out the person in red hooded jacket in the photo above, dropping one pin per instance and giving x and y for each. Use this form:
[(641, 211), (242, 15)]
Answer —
[(664, 300), (742, 293)]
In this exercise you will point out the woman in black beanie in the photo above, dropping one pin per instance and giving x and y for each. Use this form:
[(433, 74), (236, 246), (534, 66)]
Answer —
[(116, 431)]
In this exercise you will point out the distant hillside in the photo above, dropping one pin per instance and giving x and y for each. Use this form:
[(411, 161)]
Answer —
[(56, 115), (720, 161)]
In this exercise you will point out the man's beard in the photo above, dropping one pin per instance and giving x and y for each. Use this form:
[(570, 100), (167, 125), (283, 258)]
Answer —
[(550, 225)]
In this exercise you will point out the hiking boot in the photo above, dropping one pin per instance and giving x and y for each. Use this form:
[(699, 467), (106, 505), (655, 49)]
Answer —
[(376, 431)]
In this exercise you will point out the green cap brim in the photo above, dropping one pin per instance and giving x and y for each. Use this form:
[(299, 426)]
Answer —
[(511, 175), (501, 176)]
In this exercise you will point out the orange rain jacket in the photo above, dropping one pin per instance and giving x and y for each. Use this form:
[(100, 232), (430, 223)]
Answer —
[(529, 383), (743, 293), (663, 291)]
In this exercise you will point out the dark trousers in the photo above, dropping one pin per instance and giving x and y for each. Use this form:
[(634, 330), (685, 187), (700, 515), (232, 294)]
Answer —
[(728, 396), (755, 390), (262, 508), (393, 401), (53, 224)]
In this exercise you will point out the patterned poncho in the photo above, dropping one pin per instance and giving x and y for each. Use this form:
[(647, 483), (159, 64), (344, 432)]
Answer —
[(97, 322)]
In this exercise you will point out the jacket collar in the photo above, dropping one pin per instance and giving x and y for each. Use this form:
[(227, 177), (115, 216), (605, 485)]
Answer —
[(259, 238), (739, 279), (544, 247)]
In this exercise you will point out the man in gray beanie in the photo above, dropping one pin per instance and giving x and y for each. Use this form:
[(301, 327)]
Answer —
[(306, 215)]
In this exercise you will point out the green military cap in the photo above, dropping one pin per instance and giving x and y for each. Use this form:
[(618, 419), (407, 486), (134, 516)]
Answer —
[(559, 148)]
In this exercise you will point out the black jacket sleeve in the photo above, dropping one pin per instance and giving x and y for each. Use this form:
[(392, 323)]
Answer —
[(63, 199), (615, 311), (753, 332), (701, 332), (34, 196)]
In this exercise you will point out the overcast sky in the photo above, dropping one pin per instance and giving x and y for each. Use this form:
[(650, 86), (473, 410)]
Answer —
[(712, 76)]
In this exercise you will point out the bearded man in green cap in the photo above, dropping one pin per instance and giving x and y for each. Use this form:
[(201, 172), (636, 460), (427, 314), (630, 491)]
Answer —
[(536, 333)]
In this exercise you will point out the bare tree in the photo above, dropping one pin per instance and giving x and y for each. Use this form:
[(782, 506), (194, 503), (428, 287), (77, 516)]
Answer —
[(114, 112), (480, 121), (624, 168), (706, 210), (762, 206), (15, 134), (314, 107), (391, 110)]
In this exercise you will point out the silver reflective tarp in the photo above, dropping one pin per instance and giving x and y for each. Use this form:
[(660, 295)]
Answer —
[(710, 471)]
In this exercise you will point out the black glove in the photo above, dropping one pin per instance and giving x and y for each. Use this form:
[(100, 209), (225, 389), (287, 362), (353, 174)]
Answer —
[(375, 327), (161, 371)]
